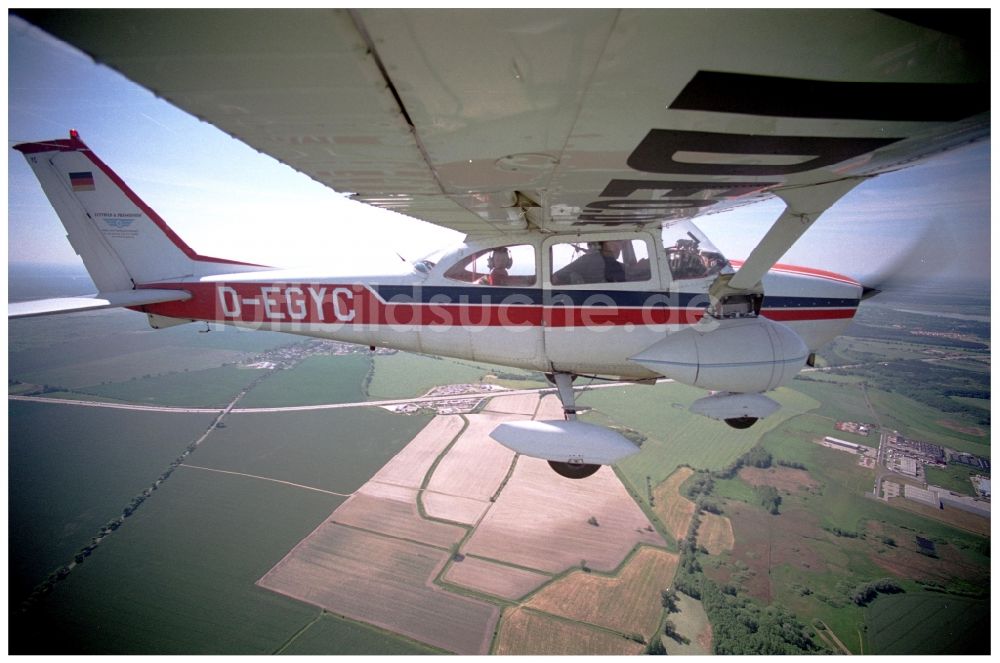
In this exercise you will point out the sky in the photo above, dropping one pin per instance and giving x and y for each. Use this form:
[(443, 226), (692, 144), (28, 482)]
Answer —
[(226, 200)]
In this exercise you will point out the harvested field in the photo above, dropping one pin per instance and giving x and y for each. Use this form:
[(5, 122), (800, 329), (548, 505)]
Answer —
[(516, 404), (673, 510), (549, 408), (715, 533), (627, 603), (782, 478), (392, 510), (477, 464), (382, 581), (525, 632), (540, 519), (409, 466), (496, 579), (457, 509)]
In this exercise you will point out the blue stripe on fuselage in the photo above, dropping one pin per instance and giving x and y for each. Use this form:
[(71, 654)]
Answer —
[(496, 295)]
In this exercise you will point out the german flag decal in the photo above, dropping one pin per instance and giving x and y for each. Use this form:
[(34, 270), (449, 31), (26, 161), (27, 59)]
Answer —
[(82, 181)]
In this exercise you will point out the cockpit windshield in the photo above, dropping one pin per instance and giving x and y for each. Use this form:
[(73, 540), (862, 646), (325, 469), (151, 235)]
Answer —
[(689, 253), (426, 264)]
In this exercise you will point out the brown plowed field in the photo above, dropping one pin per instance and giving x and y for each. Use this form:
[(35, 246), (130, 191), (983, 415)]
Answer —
[(627, 603), (383, 581), (540, 521), (452, 507), (395, 516), (550, 408), (516, 404), (524, 632), (715, 533), (673, 510), (477, 464), (495, 579), (783, 478), (409, 466)]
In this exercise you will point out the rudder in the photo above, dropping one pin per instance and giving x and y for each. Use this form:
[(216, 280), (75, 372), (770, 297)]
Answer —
[(122, 241)]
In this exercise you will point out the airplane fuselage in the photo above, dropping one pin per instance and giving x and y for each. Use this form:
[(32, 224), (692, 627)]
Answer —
[(588, 328)]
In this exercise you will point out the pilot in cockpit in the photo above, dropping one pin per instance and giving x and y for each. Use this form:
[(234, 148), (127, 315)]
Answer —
[(498, 263), (598, 265)]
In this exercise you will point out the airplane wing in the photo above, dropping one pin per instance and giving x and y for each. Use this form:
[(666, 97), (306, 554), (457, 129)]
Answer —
[(96, 302), (488, 120)]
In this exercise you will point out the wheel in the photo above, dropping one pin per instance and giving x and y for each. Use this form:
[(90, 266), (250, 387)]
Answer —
[(742, 422), (573, 470)]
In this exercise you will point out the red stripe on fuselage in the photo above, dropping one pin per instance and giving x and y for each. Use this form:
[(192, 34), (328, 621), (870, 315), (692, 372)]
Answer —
[(805, 271), (355, 304)]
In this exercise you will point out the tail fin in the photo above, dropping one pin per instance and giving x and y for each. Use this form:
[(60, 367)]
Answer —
[(122, 241)]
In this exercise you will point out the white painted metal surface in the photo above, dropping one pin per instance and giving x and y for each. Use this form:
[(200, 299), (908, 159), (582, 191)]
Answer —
[(574, 442)]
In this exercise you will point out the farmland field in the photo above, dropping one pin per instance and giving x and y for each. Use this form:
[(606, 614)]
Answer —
[(676, 436), (526, 632), (317, 379), (674, 510), (335, 450), (628, 602), (178, 577), (212, 387), (407, 375), (494, 579), (72, 469), (330, 633), (385, 582), (540, 521), (715, 533), (926, 623)]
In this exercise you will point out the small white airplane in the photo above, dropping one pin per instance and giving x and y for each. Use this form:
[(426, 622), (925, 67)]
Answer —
[(573, 148)]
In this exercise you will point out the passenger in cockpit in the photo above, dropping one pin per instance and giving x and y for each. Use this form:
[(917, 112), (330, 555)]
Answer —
[(598, 265)]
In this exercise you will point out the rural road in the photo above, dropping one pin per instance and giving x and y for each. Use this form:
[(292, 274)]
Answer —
[(297, 408)]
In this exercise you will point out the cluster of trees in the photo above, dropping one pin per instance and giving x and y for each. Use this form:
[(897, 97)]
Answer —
[(769, 498), (865, 593), (740, 626), (843, 533), (756, 457)]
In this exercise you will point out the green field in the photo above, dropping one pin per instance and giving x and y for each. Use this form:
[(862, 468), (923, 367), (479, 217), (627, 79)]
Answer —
[(336, 450), (179, 577), (315, 380), (926, 623), (90, 349), (212, 387), (72, 469), (330, 633), (676, 436), (915, 420), (955, 478)]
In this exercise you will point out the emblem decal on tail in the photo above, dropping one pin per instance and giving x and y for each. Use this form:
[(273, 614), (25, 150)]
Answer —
[(82, 181)]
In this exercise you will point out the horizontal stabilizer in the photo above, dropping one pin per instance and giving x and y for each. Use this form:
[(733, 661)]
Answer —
[(122, 298)]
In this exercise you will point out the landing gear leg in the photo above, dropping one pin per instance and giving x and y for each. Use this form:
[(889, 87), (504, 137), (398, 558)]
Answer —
[(564, 383), (570, 470)]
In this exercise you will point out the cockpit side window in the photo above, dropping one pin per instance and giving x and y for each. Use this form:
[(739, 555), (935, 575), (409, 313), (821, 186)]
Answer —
[(512, 266), (690, 255), (607, 261)]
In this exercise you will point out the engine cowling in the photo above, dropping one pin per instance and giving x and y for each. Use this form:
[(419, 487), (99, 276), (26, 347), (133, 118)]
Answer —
[(740, 355)]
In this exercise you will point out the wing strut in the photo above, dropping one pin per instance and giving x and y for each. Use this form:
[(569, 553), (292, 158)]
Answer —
[(803, 205)]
